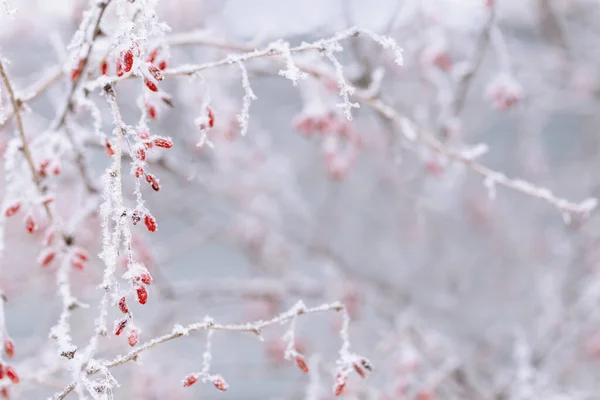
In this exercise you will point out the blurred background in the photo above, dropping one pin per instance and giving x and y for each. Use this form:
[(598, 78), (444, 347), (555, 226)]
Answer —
[(453, 294)]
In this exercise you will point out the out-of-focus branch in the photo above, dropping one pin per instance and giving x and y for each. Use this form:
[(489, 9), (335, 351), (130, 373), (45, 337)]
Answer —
[(179, 331)]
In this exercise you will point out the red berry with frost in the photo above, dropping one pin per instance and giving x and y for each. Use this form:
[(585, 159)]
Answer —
[(78, 69), (12, 209), (359, 370), (150, 223), (120, 68), (152, 56), (119, 326), (104, 67), (146, 278), (46, 257), (220, 383), (142, 295), (211, 117), (139, 171), (2, 371), (163, 142), (132, 338), (151, 110), (108, 148), (81, 254), (150, 85), (151, 179), (162, 65), (9, 348), (155, 72), (141, 154), (128, 60), (135, 217), (301, 362), (12, 374), (30, 224), (123, 305), (78, 264), (189, 380)]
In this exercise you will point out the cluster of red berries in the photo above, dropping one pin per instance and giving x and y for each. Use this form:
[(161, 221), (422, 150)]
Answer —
[(217, 381), (6, 370)]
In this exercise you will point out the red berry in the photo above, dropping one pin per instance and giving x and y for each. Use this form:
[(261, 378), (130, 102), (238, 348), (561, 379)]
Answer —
[(9, 348), (151, 110), (12, 374), (4, 393), (30, 224), (301, 362), (104, 67), (120, 67), (151, 179), (128, 60), (12, 210), (151, 85), (81, 254), (123, 305), (163, 142), (108, 148), (189, 380), (220, 384), (211, 118), (146, 278), (155, 72), (78, 69), (2, 371), (139, 171), (162, 65), (152, 56), (141, 154), (78, 264), (46, 257), (142, 295), (150, 223), (119, 326), (132, 338), (359, 370)]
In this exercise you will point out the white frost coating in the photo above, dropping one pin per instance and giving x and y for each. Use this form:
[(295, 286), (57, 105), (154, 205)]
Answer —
[(291, 71), (249, 95), (345, 89), (180, 330), (11, 12), (387, 43)]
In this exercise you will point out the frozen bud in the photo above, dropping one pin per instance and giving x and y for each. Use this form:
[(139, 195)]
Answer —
[(119, 326)]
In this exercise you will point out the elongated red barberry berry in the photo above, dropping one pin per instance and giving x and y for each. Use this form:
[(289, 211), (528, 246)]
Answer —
[(133, 337), (146, 278), (139, 171), (189, 380), (301, 362), (46, 257), (151, 110), (359, 370), (151, 179), (152, 56), (78, 69), (211, 117), (150, 222), (4, 393), (155, 72), (9, 348), (119, 326), (30, 224), (12, 209), (81, 254), (162, 65), (142, 295), (123, 305), (141, 154), (77, 264), (2, 371), (151, 85), (163, 142), (128, 60), (220, 383), (108, 148), (11, 374), (104, 67)]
